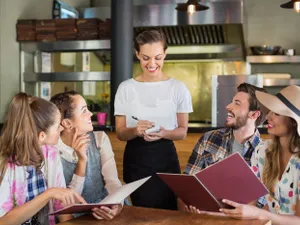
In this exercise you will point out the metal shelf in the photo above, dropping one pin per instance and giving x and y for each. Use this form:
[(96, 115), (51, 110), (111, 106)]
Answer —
[(67, 76), (273, 59), (65, 46), (280, 82)]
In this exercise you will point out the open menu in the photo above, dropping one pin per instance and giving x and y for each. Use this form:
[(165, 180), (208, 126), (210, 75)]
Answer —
[(114, 198), (230, 178)]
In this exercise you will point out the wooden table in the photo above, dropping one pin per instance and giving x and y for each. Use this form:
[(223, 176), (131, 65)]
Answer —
[(131, 215)]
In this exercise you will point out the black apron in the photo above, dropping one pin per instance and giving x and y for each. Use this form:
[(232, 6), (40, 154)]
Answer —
[(142, 159)]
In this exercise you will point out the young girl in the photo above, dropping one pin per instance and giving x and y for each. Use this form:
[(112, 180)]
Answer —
[(277, 162), (30, 171), (87, 157)]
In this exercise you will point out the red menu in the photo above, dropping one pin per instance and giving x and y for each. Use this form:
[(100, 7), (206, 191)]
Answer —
[(79, 208), (230, 178)]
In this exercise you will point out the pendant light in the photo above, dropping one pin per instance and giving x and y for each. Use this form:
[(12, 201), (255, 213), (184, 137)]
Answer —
[(293, 4), (191, 6)]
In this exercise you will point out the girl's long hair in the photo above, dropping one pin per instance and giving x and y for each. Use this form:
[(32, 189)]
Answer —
[(19, 144)]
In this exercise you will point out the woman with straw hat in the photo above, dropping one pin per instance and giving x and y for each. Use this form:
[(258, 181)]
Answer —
[(277, 162)]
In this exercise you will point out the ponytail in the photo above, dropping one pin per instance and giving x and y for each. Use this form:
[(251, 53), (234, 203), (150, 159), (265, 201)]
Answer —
[(26, 117)]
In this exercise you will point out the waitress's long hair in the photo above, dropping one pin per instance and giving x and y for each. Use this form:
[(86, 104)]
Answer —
[(26, 117), (271, 169)]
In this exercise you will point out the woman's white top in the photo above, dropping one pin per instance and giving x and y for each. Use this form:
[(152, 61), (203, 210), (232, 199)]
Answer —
[(158, 102)]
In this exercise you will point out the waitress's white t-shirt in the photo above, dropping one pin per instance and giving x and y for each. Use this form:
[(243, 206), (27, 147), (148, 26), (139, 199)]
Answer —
[(158, 102)]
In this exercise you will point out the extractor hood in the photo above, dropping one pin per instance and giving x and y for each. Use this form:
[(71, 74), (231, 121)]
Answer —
[(214, 34)]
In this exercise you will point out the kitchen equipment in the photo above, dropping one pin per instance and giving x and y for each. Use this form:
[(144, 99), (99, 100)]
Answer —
[(289, 52), (212, 34), (224, 87), (265, 50), (276, 75)]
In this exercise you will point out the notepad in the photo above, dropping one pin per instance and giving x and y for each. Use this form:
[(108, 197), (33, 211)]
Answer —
[(115, 198), (230, 178)]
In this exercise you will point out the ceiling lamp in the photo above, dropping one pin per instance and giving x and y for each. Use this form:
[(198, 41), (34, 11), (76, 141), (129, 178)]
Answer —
[(294, 4), (191, 6)]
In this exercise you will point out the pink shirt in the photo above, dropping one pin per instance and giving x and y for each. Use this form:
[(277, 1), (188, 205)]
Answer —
[(13, 188)]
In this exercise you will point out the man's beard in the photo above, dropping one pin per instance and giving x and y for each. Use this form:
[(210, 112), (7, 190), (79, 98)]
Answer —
[(240, 121)]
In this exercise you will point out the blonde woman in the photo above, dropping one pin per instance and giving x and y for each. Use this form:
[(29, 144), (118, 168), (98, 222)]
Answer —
[(31, 174), (277, 162)]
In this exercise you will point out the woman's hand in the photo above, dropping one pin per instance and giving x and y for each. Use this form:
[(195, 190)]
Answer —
[(241, 211), (66, 196), (156, 136), (106, 212), (149, 138), (143, 125), (80, 144), (192, 209)]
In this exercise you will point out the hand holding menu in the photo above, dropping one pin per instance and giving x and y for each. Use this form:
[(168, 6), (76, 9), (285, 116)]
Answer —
[(114, 198), (230, 178)]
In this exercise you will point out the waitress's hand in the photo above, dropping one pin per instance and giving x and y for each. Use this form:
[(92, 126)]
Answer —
[(80, 144), (143, 125), (156, 135), (149, 138)]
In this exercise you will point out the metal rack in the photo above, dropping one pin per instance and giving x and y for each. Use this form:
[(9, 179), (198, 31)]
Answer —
[(65, 46), (67, 76), (273, 59), (29, 50), (280, 82)]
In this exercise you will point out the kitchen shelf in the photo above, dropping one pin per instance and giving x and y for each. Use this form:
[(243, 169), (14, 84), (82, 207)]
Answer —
[(273, 59), (280, 82), (67, 76), (65, 46)]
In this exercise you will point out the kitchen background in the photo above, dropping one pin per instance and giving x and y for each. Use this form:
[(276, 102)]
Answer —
[(263, 24), (196, 75)]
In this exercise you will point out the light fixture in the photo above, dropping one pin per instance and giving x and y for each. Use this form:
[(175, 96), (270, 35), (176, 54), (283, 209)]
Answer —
[(293, 4), (191, 6)]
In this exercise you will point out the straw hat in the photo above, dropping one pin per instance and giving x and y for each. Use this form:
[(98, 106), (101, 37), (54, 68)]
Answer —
[(285, 103)]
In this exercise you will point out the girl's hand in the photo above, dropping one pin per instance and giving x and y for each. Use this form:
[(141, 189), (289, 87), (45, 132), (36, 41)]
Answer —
[(241, 211), (66, 196), (106, 212)]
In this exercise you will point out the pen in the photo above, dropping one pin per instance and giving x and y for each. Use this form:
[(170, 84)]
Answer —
[(134, 118)]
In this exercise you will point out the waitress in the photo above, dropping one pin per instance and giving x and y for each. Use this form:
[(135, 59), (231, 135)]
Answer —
[(150, 100)]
